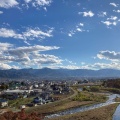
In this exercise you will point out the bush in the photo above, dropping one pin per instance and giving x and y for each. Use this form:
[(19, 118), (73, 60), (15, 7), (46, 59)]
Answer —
[(113, 90), (94, 88), (89, 97), (19, 116), (86, 88)]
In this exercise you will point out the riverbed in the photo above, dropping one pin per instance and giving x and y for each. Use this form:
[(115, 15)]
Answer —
[(85, 108)]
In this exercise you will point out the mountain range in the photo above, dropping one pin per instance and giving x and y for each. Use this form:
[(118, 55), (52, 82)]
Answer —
[(58, 73)]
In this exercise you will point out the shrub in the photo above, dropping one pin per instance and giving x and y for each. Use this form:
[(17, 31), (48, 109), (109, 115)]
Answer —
[(19, 116), (94, 88), (89, 97), (86, 88)]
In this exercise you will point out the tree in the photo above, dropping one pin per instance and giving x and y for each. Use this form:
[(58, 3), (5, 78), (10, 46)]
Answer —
[(4, 87), (20, 116)]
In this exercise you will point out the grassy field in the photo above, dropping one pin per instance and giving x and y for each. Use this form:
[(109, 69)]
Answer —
[(70, 102), (20, 101), (103, 113), (89, 96), (52, 108), (62, 96), (113, 90)]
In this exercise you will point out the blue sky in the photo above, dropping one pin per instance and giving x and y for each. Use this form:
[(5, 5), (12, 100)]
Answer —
[(72, 34)]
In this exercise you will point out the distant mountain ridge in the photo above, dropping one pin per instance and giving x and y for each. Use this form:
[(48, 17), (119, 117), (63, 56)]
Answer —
[(57, 73)]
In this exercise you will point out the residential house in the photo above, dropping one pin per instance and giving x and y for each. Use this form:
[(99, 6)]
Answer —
[(3, 103), (37, 100)]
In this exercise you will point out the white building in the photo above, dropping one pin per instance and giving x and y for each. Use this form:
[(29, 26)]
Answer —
[(3, 103)]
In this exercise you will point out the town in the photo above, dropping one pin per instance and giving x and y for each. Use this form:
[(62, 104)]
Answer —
[(45, 99), (37, 92)]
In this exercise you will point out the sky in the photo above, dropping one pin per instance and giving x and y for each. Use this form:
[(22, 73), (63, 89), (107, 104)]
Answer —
[(68, 34)]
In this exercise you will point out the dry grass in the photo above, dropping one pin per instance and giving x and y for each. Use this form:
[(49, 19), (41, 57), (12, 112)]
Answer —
[(117, 99), (88, 96), (103, 113), (20, 101), (63, 104), (62, 96), (52, 108), (55, 106)]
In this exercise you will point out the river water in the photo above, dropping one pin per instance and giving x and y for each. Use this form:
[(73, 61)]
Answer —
[(85, 108), (116, 115)]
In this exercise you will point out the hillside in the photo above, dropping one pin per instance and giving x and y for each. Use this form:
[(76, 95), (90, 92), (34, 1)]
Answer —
[(58, 73)]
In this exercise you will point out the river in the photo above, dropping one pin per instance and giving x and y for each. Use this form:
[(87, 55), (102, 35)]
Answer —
[(116, 115), (85, 108)]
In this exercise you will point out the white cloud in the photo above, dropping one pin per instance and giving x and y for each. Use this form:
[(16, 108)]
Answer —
[(26, 42), (8, 3), (87, 14), (15, 3), (78, 4), (114, 4), (112, 18), (81, 24), (31, 56), (4, 47), (97, 66), (29, 34), (72, 67), (1, 12), (26, 55), (38, 3), (9, 33), (78, 28), (108, 23), (111, 21), (83, 63), (42, 2), (27, 1), (112, 58), (71, 33), (109, 55), (45, 9), (6, 24), (118, 11), (46, 59), (4, 66), (37, 33), (102, 14), (114, 23), (70, 62), (21, 50)]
